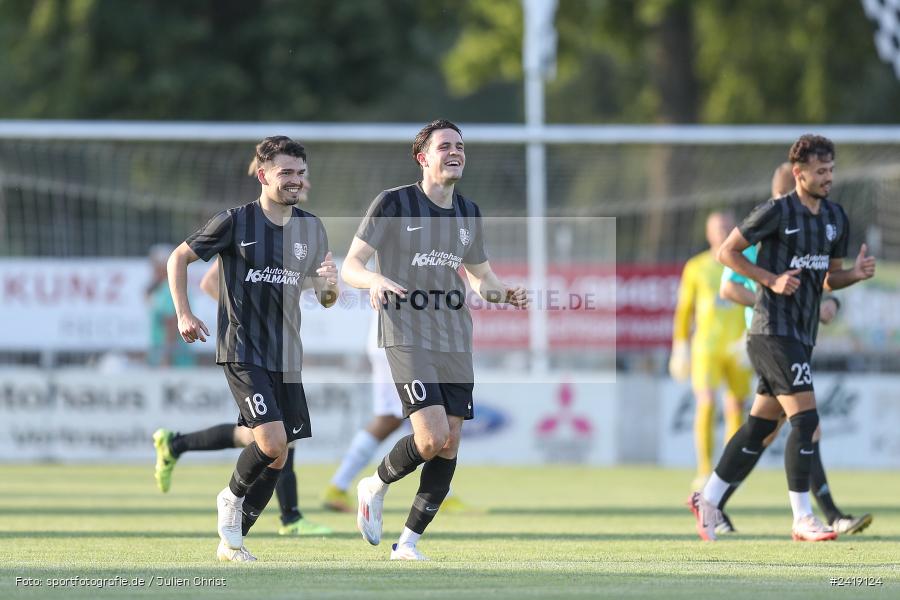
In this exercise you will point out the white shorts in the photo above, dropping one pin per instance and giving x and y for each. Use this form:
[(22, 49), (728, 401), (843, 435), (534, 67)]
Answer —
[(385, 402)]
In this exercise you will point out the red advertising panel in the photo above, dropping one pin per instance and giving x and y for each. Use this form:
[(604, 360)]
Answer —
[(588, 306)]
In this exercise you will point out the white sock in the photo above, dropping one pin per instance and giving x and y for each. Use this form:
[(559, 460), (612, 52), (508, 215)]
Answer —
[(229, 495), (359, 454), (715, 488), (409, 537), (378, 486), (800, 504)]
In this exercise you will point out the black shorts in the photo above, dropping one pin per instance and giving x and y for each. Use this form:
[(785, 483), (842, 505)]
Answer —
[(782, 364), (431, 378), (264, 397)]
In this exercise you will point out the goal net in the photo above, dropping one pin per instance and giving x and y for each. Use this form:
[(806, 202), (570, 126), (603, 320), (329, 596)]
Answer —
[(76, 190)]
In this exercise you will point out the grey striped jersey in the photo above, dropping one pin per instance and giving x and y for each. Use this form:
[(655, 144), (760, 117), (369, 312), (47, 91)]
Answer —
[(421, 246), (261, 274), (791, 237)]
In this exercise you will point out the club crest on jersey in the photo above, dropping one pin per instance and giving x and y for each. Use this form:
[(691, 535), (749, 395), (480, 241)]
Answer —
[(464, 236), (830, 232), (300, 250)]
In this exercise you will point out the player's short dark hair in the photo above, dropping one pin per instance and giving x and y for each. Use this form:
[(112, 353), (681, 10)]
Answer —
[(421, 141), (810, 145), (271, 147)]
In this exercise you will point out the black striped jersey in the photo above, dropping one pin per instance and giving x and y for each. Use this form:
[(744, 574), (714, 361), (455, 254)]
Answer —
[(791, 237), (261, 275), (421, 246)]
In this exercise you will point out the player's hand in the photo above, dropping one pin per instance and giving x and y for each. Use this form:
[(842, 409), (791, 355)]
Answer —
[(864, 267), (787, 283), (680, 361), (328, 270), (517, 296), (191, 328), (378, 293), (827, 311)]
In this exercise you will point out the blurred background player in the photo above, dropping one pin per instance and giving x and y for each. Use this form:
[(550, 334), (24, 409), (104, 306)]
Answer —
[(742, 290), (171, 445), (387, 417), (167, 349), (803, 239), (711, 355), (267, 248)]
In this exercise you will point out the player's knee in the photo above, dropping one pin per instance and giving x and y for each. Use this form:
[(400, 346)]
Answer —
[(272, 445), (243, 436), (452, 443), (279, 462), (760, 432), (805, 424), (430, 443)]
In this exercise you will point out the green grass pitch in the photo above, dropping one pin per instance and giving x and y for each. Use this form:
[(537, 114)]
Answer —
[(546, 532)]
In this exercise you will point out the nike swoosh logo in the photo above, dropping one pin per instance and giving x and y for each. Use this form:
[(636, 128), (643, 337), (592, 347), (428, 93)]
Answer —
[(297, 429), (745, 451), (804, 452), (408, 228), (429, 509), (791, 231), (245, 244)]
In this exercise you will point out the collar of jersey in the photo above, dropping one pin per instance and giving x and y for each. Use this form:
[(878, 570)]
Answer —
[(268, 221), (446, 211)]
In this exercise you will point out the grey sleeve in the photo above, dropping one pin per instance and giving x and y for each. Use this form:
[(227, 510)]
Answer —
[(475, 254), (214, 237), (761, 222), (375, 224), (839, 250), (321, 249)]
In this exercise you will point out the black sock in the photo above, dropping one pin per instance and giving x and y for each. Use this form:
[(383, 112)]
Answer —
[(818, 485), (744, 449), (258, 496), (799, 450), (403, 459), (286, 490), (749, 464), (250, 464), (434, 484), (214, 438), (728, 493)]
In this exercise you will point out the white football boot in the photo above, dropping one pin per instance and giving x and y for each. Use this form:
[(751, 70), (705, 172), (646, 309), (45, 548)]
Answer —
[(368, 514), (230, 519), (406, 552), (224, 553)]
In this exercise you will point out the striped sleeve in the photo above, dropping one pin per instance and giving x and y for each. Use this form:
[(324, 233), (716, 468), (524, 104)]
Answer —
[(475, 254), (214, 237), (761, 222), (839, 250), (321, 237), (376, 223)]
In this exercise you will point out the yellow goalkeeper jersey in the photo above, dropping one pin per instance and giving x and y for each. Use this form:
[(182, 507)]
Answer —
[(717, 323)]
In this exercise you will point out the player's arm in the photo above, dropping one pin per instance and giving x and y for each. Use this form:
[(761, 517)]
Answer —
[(684, 306), (325, 283), (838, 277), (355, 273), (680, 358), (189, 326), (828, 309), (210, 281), (731, 254), (736, 292), (487, 285)]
